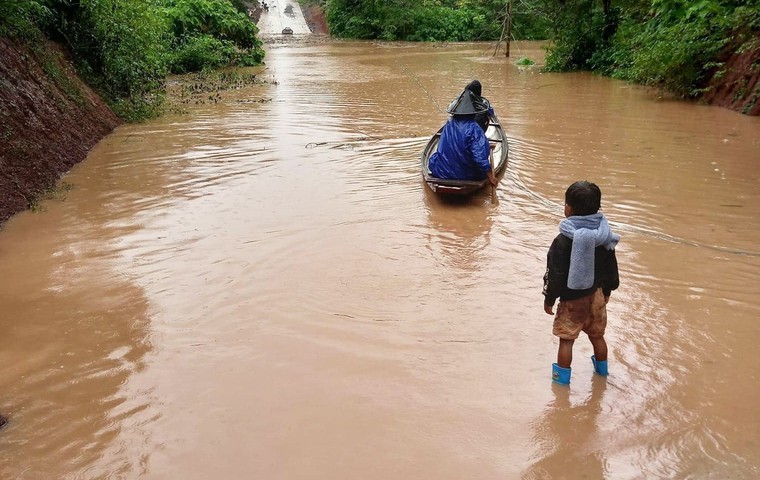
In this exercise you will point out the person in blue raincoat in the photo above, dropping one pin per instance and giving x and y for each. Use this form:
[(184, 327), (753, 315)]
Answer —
[(463, 150)]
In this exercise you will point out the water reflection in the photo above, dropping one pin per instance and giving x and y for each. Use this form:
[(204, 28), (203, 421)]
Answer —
[(570, 442), (460, 229), (74, 334)]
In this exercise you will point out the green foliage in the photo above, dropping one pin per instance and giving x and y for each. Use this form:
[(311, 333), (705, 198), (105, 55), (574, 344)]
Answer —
[(201, 52), (119, 45), (581, 29), (673, 44), (217, 18), (125, 48), (431, 20), (530, 22), (525, 62), (18, 18), (210, 34), (129, 45), (677, 57)]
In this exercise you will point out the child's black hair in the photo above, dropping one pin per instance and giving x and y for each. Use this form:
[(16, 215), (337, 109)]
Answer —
[(584, 198)]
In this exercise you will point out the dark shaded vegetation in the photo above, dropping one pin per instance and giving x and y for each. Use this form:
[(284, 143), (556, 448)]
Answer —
[(677, 45), (125, 48), (433, 20)]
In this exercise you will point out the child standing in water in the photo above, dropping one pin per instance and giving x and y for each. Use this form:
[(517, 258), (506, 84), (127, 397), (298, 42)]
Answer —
[(582, 271)]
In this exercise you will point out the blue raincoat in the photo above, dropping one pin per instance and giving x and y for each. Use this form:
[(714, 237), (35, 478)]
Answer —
[(462, 151)]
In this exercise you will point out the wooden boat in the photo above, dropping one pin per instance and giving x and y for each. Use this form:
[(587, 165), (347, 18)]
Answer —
[(495, 134)]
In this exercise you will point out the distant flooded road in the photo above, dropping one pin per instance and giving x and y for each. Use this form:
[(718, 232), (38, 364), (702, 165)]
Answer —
[(282, 14), (261, 286)]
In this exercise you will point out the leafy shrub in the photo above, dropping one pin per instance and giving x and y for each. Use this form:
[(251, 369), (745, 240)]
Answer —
[(673, 44), (126, 47), (119, 46), (211, 34), (200, 52), (581, 30), (19, 17), (218, 18), (676, 57), (676, 49), (415, 21)]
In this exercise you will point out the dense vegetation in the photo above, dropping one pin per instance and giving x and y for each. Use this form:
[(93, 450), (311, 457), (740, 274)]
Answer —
[(433, 20), (678, 45), (125, 48)]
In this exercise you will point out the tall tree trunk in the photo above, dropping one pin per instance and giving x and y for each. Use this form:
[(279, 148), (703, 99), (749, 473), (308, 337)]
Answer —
[(606, 4), (509, 24)]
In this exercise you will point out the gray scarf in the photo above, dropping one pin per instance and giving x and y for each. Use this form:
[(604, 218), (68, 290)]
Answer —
[(587, 233)]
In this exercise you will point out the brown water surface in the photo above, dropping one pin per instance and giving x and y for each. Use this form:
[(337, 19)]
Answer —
[(266, 289)]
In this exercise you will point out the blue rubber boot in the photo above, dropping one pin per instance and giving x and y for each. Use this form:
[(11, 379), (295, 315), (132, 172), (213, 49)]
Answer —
[(561, 375), (600, 366)]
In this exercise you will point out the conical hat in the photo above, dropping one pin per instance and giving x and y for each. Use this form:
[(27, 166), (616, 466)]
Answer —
[(467, 103), (475, 87)]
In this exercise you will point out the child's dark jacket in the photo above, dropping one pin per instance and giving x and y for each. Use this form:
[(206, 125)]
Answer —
[(558, 266)]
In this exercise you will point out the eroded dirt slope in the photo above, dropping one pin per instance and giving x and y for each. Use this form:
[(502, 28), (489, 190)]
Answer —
[(738, 86), (49, 120)]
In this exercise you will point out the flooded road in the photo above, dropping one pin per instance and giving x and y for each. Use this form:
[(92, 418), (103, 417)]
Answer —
[(262, 287), (282, 14)]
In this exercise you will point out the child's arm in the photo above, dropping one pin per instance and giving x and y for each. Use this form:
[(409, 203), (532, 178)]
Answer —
[(611, 279), (557, 266)]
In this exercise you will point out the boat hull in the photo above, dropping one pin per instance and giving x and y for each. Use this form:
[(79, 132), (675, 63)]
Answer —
[(443, 186)]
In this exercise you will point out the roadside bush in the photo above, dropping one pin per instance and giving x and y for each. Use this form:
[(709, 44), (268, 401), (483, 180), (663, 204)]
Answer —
[(125, 48), (581, 30), (210, 34), (119, 46), (19, 18), (413, 21), (676, 45), (445, 24), (676, 57), (676, 48), (218, 18), (129, 46), (433, 20), (200, 52)]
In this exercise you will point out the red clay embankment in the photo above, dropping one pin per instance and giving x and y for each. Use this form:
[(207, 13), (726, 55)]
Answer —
[(737, 85), (49, 120)]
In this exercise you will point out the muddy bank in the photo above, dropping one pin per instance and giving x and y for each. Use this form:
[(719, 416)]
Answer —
[(49, 120), (737, 85)]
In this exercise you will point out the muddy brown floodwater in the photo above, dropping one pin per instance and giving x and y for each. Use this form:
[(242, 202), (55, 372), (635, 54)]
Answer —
[(262, 287)]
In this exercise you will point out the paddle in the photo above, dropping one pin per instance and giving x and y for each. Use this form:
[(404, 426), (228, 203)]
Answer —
[(494, 199)]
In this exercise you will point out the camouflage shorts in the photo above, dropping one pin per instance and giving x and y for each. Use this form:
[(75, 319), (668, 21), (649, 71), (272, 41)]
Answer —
[(587, 314)]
